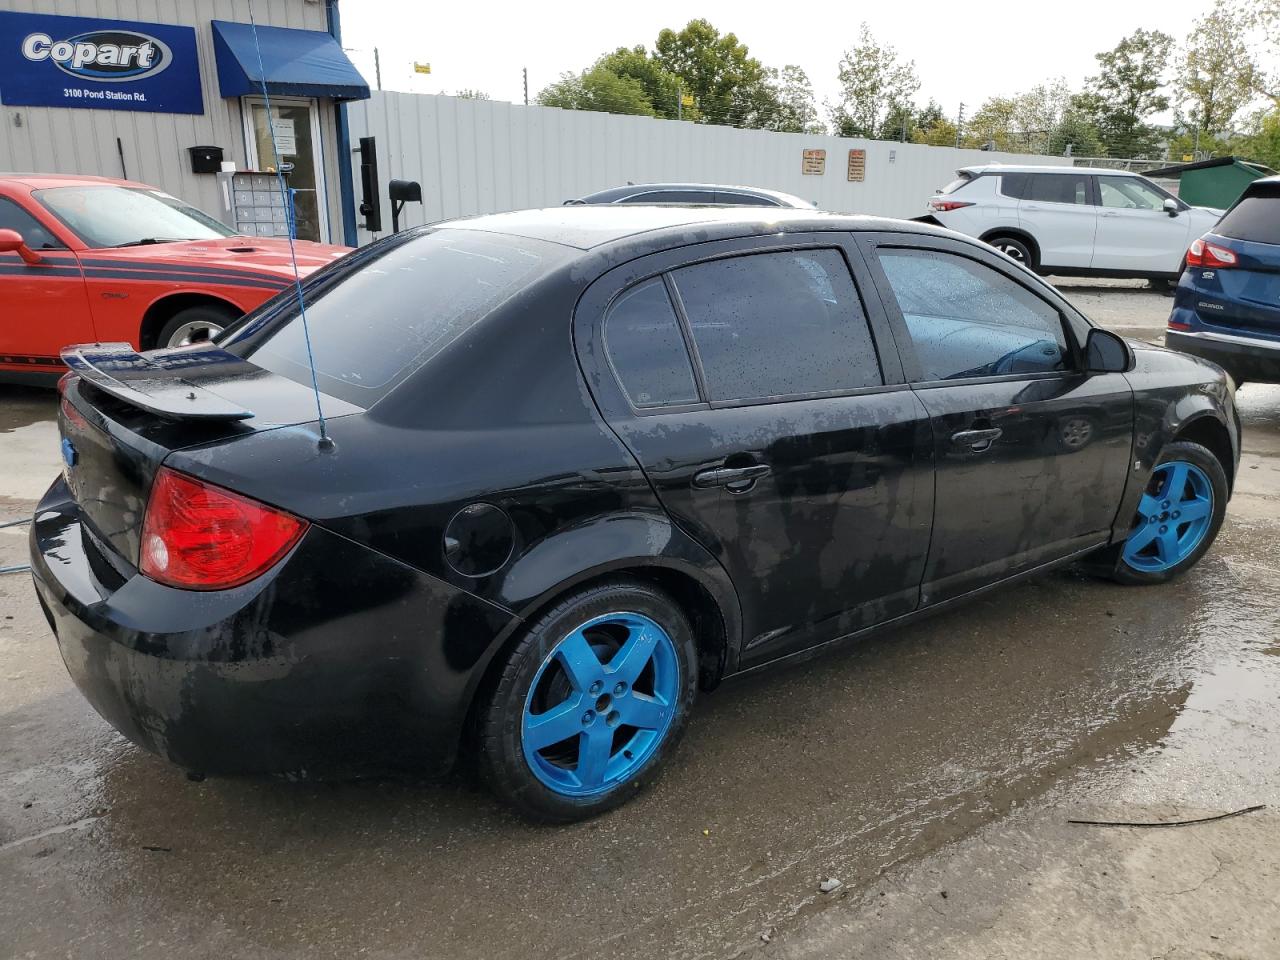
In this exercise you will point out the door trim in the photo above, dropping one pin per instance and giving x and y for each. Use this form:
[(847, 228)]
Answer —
[(247, 103)]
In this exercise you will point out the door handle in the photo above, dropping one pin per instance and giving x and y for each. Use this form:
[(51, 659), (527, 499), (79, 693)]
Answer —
[(1110, 213), (977, 440), (1030, 206), (735, 478)]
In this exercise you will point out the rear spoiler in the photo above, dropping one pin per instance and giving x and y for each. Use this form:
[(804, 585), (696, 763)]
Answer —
[(156, 383)]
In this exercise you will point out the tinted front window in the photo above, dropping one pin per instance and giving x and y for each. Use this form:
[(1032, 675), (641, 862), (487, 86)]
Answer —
[(968, 320), (778, 324), (404, 304), (647, 349), (744, 200), (108, 216), (13, 217), (1256, 217)]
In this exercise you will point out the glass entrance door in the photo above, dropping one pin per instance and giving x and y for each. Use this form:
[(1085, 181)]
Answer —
[(297, 143)]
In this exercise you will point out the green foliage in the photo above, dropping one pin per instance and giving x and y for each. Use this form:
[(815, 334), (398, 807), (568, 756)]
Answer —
[(728, 85), (875, 85), (1216, 73), (660, 85), (1046, 119), (1126, 91), (598, 89)]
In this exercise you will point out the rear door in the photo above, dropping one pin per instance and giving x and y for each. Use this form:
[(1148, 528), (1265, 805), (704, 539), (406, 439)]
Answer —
[(46, 305), (765, 400), (1057, 210), (1135, 232), (1031, 453)]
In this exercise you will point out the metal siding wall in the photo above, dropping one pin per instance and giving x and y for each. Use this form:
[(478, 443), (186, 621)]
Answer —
[(58, 140), (478, 156)]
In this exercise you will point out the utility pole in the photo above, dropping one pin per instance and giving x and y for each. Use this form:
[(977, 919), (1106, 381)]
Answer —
[(959, 125), (526, 86), (377, 67)]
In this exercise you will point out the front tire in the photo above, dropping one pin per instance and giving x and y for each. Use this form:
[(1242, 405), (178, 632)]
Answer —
[(1178, 517), (591, 702)]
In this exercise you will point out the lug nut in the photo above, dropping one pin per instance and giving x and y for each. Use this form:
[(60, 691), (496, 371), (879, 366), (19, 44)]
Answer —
[(1164, 529), (597, 687), (588, 717), (620, 689)]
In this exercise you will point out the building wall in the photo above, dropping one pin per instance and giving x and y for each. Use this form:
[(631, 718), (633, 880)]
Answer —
[(480, 156), (60, 140)]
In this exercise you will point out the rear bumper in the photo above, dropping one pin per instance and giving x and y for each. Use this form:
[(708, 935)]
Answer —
[(336, 658), (1245, 358)]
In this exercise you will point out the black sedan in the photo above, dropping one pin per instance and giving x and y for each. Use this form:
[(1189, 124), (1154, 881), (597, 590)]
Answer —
[(713, 194), (576, 465)]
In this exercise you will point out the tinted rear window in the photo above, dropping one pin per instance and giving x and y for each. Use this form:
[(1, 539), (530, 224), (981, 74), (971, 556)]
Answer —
[(403, 304), (956, 184), (778, 325), (1256, 217)]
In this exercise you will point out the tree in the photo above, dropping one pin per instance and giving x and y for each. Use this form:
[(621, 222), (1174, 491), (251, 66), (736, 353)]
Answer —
[(1216, 73), (728, 85), (598, 89), (1045, 119), (789, 105), (1126, 91), (660, 85), (874, 83)]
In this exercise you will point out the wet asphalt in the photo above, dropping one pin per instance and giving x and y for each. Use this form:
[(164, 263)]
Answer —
[(860, 765)]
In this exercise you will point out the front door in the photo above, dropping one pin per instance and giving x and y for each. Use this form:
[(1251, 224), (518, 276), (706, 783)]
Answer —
[(45, 304), (295, 123), (746, 379), (1031, 458), (1135, 232)]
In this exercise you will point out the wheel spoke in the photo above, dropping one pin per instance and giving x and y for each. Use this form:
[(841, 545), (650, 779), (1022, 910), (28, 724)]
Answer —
[(1194, 509), (1167, 546), (559, 723), (1177, 482), (1140, 538), (635, 653), (579, 661), (594, 748), (645, 712)]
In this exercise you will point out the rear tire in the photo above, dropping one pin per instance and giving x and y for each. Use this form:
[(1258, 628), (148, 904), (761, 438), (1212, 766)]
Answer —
[(1015, 249), (1177, 521), (195, 325), (575, 725)]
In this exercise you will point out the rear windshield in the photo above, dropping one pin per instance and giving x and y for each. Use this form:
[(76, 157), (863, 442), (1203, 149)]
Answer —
[(395, 307), (956, 184), (1256, 217)]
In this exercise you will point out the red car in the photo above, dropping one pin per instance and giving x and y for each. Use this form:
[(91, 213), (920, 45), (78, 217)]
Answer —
[(94, 259)]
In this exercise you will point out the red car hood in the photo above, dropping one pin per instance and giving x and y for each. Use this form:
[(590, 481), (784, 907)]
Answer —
[(260, 254)]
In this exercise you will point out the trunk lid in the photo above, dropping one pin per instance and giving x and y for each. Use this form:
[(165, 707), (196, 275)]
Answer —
[(123, 413)]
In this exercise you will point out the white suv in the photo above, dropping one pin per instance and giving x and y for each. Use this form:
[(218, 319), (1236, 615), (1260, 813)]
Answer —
[(1073, 221)]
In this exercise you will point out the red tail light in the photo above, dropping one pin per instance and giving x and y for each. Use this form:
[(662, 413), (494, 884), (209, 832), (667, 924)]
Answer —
[(938, 205), (1205, 254), (201, 537)]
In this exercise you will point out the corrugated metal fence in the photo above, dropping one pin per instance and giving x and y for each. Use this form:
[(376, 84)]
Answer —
[(480, 156)]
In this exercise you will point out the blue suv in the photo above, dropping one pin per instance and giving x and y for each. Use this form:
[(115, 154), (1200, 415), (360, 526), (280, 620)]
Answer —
[(1227, 305)]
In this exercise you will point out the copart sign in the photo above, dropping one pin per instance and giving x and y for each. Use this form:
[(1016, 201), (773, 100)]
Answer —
[(91, 64)]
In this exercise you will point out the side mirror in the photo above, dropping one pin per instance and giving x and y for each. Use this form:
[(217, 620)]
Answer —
[(1105, 352), (1171, 207), (11, 242)]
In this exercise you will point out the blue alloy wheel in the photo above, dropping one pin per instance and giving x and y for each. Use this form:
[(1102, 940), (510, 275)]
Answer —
[(1173, 517), (600, 704)]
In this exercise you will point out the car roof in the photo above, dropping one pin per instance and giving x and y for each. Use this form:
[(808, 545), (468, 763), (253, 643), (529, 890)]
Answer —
[(585, 226), (42, 181), (1043, 168), (632, 189)]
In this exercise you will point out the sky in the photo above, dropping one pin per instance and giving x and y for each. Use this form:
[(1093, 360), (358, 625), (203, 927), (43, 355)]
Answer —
[(962, 53)]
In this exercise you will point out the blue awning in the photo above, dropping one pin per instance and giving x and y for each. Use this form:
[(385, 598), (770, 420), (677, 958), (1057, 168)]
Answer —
[(296, 63)]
